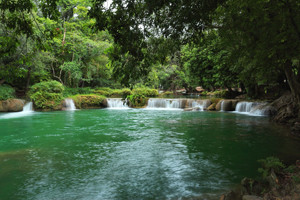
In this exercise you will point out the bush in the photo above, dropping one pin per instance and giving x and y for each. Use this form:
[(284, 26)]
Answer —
[(89, 101), (104, 91), (167, 94), (47, 95), (270, 164), (137, 100), (123, 93), (147, 92), (74, 91), (6, 92)]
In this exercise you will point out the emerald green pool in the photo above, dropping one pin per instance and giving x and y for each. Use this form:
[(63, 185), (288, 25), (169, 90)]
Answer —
[(134, 153)]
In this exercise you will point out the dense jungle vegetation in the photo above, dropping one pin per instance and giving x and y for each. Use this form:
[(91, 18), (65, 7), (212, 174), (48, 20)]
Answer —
[(252, 45)]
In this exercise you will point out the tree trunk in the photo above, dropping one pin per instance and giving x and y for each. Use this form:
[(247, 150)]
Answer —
[(292, 81), (2, 81)]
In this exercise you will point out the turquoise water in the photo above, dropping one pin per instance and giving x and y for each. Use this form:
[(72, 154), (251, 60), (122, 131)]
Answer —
[(134, 154)]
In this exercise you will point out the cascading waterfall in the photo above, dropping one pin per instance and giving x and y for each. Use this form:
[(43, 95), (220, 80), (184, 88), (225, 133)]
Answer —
[(164, 104), (27, 111), (198, 104), (170, 104), (70, 105), (222, 105), (252, 108), (28, 107), (117, 103)]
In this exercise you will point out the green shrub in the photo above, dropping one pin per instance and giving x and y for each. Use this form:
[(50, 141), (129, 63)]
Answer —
[(113, 92), (89, 101), (46, 95), (167, 94), (6, 92), (270, 164), (103, 91), (137, 100), (74, 91), (121, 93), (147, 92)]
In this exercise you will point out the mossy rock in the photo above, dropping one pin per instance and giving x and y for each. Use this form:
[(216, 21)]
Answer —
[(89, 101)]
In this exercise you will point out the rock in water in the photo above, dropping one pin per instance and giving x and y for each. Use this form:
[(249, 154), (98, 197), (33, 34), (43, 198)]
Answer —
[(251, 197), (12, 105)]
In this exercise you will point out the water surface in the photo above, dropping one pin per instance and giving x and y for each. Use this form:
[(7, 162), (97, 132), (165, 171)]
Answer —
[(134, 154)]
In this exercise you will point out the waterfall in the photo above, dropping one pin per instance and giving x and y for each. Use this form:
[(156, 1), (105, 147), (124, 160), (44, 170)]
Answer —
[(27, 111), (197, 104), (70, 104), (222, 105), (28, 107), (175, 104), (252, 108), (117, 103), (164, 104)]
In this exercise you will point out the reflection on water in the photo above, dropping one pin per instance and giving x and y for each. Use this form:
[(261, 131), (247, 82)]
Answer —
[(133, 154)]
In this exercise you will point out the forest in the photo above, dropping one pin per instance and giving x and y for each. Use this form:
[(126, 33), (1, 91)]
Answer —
[(138, 50), (252, 45)]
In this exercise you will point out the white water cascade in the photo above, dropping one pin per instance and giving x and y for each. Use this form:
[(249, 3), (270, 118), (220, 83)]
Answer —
[(175, 104), (117, 103), (164, 104), (198, 104), (27, 111), (222, 105), (70, 105), (252, 108)]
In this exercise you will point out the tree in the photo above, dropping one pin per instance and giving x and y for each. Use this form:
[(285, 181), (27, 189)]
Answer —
[(264, 36)]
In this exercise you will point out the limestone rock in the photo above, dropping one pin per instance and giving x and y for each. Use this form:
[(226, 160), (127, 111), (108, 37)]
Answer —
[(226, 105), (251, 197), (212, 107), (12, 105), (231, 195), (218, 105), (287, 108)]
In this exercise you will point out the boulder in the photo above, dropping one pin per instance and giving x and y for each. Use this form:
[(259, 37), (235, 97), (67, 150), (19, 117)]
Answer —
[(12, 105), (287, 109), (226, 105), (265, 109), (188, 109), (212, 107), (231, 195), (251, 197)]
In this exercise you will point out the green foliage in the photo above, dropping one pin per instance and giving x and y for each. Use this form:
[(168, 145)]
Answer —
[(89, 101), (166, 94), (74, 91), (6, 92), (46, 95), (147, 92), (137, 100), (120, 93), (270, 164), (108, 92)]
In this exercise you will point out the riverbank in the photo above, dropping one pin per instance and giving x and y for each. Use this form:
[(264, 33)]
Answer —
[(277, 182)]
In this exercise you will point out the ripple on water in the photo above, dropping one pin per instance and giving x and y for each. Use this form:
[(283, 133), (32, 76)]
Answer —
[(133, 154)]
